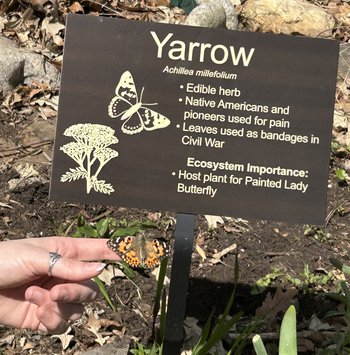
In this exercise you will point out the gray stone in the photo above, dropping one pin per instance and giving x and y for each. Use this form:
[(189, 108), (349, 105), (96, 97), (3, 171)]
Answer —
[(288, 17), (21, 66), (118, 347), (213, 14)]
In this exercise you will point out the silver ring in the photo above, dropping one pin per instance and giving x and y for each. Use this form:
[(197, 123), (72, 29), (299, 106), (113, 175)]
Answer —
[(53, 260)]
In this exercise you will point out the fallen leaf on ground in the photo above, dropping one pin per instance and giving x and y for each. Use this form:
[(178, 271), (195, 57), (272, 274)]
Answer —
[(317, 325), (279, 302), (26, 171), (65, 338), (216, 258), (155, 272), (213, 221), (201, 252), (109, 272), (93, 325)]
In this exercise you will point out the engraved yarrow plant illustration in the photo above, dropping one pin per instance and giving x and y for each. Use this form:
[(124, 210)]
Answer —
[(91, 152)]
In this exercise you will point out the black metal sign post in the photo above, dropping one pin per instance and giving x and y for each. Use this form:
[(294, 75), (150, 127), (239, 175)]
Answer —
[(184, 236)]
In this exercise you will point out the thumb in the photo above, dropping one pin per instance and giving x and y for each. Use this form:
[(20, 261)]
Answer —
[(74, 270)]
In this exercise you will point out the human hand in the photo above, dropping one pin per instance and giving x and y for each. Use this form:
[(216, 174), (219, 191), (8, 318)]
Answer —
[(30, 298)]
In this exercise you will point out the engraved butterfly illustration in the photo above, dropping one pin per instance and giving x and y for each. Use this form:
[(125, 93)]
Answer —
[(140, 251), (130, 108)]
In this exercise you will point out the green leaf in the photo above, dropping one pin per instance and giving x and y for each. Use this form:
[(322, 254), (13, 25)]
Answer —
[(102, 227), (127, 270), (104, 293), (160, 285), (341, 174), (259, 345), (121, 232), (149, 224), (340, 266), (220, 330), (162, 318), (86, 231), (204, 335), (288, 336)]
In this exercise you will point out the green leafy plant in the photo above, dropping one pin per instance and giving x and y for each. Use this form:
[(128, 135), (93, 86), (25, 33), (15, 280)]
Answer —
[(141, 350), (108, 228), (212, 334), (318, 233), (303, 280), (340, 342), (288, 336)]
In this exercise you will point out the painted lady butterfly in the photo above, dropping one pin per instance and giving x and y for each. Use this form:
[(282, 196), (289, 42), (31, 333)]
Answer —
[(139, 251), (132, 110)]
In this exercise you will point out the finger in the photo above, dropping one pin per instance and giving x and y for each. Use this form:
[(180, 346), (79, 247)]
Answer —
[(77, 248), (82, 292), (69, 311), (41, 297), (74, 270), (37, 295), (50, 320)]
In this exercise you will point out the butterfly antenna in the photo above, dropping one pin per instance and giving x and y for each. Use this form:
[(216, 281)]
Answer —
[(143, 88), (154, 103)]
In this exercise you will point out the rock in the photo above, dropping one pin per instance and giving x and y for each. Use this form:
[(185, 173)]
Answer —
[(287, 16), (213, 14), (120, 347), (21, 66)]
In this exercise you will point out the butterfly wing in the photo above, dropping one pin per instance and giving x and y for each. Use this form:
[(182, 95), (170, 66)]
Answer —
[(151, 119), (125, 247), (126, 96), (156, 250), (133, 124)]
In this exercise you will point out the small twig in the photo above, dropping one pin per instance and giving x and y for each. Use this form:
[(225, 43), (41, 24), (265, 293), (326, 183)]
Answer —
[(29, 145), (20, 148), (107, 213), (332, 213), (304, 334)]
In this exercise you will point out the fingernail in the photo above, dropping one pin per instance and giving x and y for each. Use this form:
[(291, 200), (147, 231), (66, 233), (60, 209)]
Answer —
[(95, 266)]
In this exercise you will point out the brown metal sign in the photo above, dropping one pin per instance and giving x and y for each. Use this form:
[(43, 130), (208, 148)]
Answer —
[(194, 120)]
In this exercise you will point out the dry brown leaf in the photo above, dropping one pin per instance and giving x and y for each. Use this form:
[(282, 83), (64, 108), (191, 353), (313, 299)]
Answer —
[(76, 8), (93, 325), (52, 28), (279, 302), (109, 273), (231, 229), (7, 339), (65, 338), (317, 325), (200, 239), (154, 216), (12, 99), (201, 252), (344, 14), (216, 258), (157, 3), (213, 221), (36, 2)]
